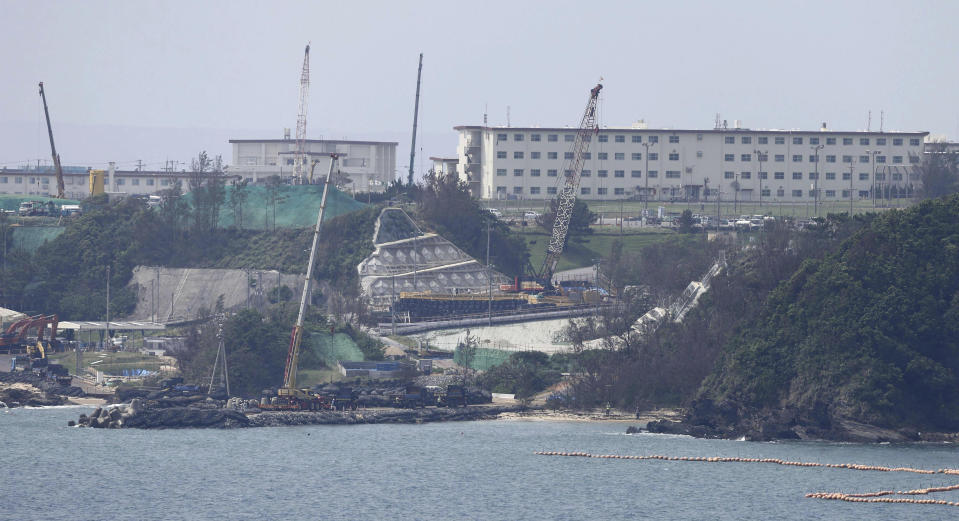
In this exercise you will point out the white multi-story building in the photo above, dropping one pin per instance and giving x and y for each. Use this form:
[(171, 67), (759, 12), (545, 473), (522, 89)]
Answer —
[(670, 164), (42, 181), (370, 165)]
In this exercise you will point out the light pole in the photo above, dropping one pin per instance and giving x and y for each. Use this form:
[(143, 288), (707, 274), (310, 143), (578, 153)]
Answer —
[(760, 155), (815, 189), (850, 189), (873, 154), (646, 189), (736, 194)]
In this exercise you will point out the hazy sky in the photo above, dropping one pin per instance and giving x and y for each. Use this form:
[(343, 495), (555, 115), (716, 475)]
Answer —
[(164, 80)]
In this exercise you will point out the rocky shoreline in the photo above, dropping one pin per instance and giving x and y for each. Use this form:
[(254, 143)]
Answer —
[(25, 389)]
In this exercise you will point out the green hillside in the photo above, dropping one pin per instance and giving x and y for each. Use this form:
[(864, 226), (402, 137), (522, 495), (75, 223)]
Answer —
[(869, 332)]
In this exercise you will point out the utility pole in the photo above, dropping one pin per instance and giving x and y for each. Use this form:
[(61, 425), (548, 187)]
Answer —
[(489, 278), (108, 301), (416, 112), (816, 150), (850, 189), (646, 189), (760, 155)]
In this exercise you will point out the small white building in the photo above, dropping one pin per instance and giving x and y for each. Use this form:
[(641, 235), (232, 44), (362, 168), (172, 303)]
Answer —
[(679, 164)]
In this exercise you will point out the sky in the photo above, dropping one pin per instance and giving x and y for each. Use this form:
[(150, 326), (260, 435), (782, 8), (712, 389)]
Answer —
[(157, 81)]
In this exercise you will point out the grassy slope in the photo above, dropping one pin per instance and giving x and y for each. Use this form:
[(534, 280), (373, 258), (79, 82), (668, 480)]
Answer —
[(583, 252)]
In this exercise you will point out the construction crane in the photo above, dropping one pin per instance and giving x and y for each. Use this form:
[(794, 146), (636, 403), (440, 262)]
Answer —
[(567, 199), (301, 117), (416, 113), (53, 148), (289, 397)]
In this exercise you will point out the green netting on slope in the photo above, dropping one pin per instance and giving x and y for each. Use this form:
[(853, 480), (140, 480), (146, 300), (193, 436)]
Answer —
[(29, 238), (484, 358), (12, 202), (331, 350), (296, 206)]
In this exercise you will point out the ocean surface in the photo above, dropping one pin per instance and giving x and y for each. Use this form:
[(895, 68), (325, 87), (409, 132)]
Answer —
[(457, 471)]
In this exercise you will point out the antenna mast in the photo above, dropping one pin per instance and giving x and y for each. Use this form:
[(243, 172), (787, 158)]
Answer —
[(301, 117), (416, 113)]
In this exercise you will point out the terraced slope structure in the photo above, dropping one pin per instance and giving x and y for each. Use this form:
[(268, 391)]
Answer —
[(407, 261)]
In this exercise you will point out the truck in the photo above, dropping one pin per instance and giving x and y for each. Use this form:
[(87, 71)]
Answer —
[(344, 399), (454, 396), (415, 397)]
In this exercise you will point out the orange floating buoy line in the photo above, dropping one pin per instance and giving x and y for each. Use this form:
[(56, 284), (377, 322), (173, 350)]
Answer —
[(868, 497)]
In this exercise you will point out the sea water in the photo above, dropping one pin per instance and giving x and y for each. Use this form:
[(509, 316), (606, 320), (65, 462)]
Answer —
[(458, 471)]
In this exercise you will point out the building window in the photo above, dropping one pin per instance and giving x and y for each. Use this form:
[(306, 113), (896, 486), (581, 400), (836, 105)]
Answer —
[(584, 190), (847, 141), (797, 140), (534, 172), (500, 137), (779, 175), (552, 138), (166, 182), (518, 154), (830, 176), (812, 193), (814, 141), (846, 176), (897, 141), (637, 138), (813, 158), (149, 182), (3, 180), (896, 176), (653, 156), (517, 172), (619, 156), (797, 176), (501, 189), (652, 174), (587, 155), (636, 156), (880, 176), (517, 137), (33, 180), (863, 159), (765, 192), (863, 141), (567, 155), (881, 141), (602, 156), (780, 158), (672, 174), (619, 173), (847, 159), (830, 141), (763, 140), (586, 173), (654, 139), (897, 160), (730, 140), (746, 140), (780, 193), (534, 137), (500, 171), (551, 155), (797, 193), (500, 154), (830, 159), (601, 191), (762, 157), (534, 155), (913, 159), (534, 190), (729, 157), (635, 173), (813, 176), (550, 190), (603, 173), (745, 158), (569, 138), (745, 175), (674, 156), (620, 139), (619, 191), (517, 190), (134, 182), (863, 194), (729, 175), (797, 158), (551, 172), (603, 138), (845, 194), (780, 140), (699, 137), (880, 159), (567, 173), (18, 180), (120, 181), (764, 175), (863, 176), (674, 139)]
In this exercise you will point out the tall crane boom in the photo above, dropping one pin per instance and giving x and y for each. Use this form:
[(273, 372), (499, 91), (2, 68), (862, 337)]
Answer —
[(292, 357), (567, 199), (301, 117), (416, 112), (53, 148)]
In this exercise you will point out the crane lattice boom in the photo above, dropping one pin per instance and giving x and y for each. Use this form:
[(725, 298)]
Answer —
[(567, 199), (53, 148), (300, 158)]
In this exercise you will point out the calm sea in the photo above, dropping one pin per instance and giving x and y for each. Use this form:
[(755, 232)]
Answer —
[(458, 471)]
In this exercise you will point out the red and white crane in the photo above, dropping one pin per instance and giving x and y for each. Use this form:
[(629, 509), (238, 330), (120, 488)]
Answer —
[(300, 159)]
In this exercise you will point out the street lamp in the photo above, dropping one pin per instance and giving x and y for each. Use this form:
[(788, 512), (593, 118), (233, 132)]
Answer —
[(646, 189), (873, 154), (816, 150), (761, 155), (736, 194)]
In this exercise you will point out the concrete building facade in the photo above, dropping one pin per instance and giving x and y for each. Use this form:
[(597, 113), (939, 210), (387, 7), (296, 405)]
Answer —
[(42, 181), (370, 165), (676, 164)]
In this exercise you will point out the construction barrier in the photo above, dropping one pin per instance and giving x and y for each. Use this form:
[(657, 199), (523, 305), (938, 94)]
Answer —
[(867, 497)]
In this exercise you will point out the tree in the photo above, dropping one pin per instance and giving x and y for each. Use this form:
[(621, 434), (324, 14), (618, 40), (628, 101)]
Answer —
[(273, 184), (579, 221), (467, 352), (686, 221), (238, 198), (938, 172), (207, 186)]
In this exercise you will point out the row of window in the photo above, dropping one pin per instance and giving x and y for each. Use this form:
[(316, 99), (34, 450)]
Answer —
[(766, 192), (729, 140), (602, 156), (830, 176), (676, 174), (814, 158), (552, 172), (69, 180), (674, 156)]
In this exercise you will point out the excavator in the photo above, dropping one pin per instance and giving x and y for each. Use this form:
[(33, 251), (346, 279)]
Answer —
[(15, 336), (289, 397)]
